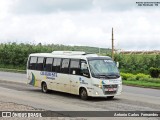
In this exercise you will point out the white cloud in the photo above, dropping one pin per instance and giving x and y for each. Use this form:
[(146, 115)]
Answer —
[(133, 28), (49, 6)]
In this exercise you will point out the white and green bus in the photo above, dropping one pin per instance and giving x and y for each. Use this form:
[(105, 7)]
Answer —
[(74, 72)]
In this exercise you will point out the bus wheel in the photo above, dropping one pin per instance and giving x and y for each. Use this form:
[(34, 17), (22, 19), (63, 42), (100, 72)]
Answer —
[(83, 94), (110, 97), (44, 87)]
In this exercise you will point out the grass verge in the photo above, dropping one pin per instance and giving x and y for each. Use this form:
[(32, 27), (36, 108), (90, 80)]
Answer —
[(12, 70), (142, 84)]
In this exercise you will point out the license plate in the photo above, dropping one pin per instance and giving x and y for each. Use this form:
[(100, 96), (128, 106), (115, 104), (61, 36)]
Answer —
[(110, 89)]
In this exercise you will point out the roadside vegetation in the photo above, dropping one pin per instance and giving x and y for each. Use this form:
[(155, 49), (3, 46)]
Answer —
[(140, 79), (138, 63), (136, 69)]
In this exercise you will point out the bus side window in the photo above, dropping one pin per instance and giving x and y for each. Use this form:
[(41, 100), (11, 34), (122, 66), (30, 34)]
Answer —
[(40, 63), (75, 67), (65, 66), (32, 63), (48, 65), (56, 65)]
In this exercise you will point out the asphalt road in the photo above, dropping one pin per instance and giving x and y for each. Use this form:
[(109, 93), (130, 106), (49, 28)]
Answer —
[(14, 89)]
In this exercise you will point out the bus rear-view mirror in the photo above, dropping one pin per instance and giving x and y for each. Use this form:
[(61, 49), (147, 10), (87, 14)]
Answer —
[(117, 64)]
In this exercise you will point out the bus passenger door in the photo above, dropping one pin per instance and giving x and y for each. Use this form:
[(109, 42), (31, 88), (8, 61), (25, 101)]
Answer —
[(74, 75), (74, 83), (79, 75)]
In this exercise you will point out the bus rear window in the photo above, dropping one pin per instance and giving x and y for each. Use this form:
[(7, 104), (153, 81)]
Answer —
[(32, 63)]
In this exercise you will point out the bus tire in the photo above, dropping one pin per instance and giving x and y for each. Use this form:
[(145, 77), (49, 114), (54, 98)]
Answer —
[(83, 94), (44, 87), (110, 97)]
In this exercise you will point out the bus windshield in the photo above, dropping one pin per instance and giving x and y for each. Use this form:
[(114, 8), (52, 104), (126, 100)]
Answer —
[(103, 68)]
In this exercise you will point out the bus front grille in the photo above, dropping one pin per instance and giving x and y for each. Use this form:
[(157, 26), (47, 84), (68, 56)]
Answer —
[(110, 89)]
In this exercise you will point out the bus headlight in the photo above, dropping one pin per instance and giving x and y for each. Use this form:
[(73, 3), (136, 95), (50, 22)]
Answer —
[(97, 85)]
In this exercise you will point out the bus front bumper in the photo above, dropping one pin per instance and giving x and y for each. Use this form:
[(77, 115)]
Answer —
[(105, 90)]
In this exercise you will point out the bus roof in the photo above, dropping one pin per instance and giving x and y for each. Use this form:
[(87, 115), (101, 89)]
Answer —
[(69, 54)]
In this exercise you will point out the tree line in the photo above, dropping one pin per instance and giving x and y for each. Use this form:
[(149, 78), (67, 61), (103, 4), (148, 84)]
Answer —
[(13, 55), (138, 63)]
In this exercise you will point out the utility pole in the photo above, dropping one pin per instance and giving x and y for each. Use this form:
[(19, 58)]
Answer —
[(112, 45)]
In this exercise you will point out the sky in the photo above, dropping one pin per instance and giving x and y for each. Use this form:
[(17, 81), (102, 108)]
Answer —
[(81, 22)]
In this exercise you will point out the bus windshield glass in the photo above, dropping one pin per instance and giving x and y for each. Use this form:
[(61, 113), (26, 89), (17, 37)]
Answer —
[(102, 68)]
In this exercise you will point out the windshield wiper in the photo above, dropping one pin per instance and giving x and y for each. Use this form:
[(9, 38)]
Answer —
[(112, 76), (106, 76), (98, 76)]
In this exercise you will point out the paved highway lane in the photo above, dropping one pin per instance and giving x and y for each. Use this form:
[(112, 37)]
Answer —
[(15, 77), (132, 98)]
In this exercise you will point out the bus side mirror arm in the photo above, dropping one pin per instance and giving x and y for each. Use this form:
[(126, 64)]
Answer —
[(85, 75)]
